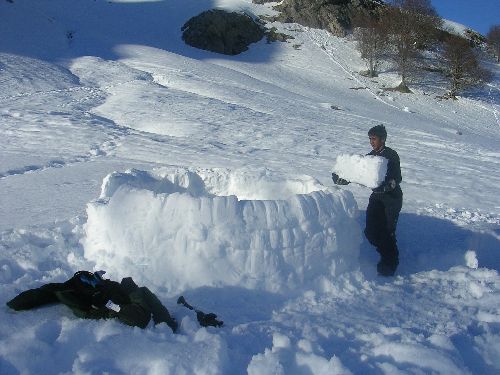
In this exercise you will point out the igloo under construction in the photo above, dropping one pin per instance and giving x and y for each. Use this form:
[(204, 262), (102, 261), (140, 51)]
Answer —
[(182, 229)]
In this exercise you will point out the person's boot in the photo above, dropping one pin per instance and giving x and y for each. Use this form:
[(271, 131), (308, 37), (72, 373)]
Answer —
[(387, 267), (389, 257), (384, 269)]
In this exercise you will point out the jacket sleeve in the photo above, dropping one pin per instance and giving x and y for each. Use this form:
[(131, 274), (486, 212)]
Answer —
[(393, 168), (32, 298)]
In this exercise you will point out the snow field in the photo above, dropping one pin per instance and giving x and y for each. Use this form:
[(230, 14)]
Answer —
[(125, 92), (178, 230), (365, 170), (352, 325)]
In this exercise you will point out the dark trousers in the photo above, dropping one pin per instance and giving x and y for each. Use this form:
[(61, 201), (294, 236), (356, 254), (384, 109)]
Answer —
[(382, 216)]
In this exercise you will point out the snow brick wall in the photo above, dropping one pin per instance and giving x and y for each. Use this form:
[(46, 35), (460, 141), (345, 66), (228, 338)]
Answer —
[(184, 229)]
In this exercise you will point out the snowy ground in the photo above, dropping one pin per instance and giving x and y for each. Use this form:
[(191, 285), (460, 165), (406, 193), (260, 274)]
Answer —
[(107, 88)]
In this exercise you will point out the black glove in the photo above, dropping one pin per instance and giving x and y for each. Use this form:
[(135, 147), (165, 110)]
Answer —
[(338, 181), (389, 186), (209, 319)]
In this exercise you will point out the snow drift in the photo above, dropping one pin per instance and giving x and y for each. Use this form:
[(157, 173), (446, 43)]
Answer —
[(190, 228)]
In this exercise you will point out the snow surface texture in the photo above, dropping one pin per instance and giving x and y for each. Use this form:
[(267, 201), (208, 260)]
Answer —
[(178, 230), (91, 89), (366, 170)]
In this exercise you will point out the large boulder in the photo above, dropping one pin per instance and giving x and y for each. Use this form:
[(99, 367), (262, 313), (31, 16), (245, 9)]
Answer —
[(229, 33)]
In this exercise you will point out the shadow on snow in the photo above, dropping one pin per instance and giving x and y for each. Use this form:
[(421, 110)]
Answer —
[(99, 28), (427, 243)]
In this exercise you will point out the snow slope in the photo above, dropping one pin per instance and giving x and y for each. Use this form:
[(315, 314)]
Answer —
[(96, 94)]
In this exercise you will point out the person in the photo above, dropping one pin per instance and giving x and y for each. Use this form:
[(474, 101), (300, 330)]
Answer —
[(87, 295), (384, 205)]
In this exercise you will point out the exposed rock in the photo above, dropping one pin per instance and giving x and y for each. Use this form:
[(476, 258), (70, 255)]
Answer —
[(475, 38), (332, 15), (275, 36), (222, 32), (403, 88)]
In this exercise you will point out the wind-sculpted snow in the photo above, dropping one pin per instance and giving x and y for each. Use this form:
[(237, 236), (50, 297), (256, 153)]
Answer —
[(247, 228)]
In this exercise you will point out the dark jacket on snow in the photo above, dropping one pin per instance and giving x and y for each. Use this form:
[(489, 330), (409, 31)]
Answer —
[(87, 295)]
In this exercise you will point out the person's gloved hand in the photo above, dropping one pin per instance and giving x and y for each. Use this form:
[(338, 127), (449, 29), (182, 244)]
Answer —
[(337, 180), (389, 186)]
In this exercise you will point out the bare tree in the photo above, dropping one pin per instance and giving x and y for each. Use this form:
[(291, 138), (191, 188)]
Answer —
[(493, 38), (372, 39), (462, 65), (411, 26)]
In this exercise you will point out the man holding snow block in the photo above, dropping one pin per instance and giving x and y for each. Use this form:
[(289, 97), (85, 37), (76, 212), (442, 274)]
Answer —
[(384, 205)]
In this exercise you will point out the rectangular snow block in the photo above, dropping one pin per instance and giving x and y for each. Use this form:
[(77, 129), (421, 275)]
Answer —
[(366, 170)]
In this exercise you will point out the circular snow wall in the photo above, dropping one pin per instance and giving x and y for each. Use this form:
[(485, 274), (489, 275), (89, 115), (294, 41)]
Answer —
[(191, 228)]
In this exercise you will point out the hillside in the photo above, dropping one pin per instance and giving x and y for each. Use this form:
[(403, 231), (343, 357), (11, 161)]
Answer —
[(107, 116)]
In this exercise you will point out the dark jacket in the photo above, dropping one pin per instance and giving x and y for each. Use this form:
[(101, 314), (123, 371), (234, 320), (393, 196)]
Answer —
[(393, 172), (87, 297)]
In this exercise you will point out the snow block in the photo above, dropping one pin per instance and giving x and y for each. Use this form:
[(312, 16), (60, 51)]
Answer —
[(365, 170), (183, 229)]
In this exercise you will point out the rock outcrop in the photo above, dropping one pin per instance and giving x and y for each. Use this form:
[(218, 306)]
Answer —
[(332, 15)]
